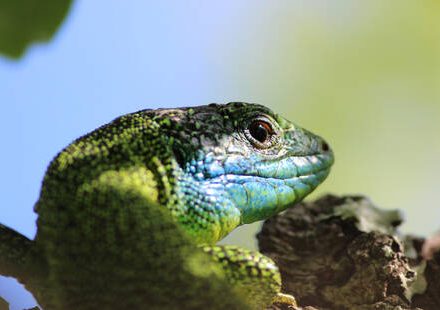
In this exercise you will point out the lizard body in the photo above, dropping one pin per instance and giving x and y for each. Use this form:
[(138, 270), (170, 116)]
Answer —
[(129, 214)]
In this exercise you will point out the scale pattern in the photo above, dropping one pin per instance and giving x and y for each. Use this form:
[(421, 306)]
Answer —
[(129, 214)]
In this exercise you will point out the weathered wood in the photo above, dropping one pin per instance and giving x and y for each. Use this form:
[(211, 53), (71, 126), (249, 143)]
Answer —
[(345, 253)]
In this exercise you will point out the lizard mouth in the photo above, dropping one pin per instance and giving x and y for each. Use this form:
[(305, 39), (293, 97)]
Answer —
[(300, 184), (259, 189), (259, 197), (288, 167), (265, 192), (295, 166)]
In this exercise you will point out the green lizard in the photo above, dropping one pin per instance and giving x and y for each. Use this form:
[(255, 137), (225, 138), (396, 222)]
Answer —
[(129, 214)]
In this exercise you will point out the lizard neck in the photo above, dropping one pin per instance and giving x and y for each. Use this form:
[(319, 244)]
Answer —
[(205, 211), (139, 143), (128, 143)]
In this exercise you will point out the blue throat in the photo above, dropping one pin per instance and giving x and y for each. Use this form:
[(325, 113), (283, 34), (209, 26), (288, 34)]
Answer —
[(241, 190)]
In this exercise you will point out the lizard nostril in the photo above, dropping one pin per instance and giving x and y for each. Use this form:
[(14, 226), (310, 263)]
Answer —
[(325, 147)]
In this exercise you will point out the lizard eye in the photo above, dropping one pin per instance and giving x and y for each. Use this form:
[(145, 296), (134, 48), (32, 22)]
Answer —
[(260, 133)]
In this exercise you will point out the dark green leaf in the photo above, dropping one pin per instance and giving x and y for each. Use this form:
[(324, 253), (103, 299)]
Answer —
[(23, 22)]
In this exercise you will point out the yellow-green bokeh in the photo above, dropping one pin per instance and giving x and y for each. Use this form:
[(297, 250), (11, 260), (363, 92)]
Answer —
[(366, 76)]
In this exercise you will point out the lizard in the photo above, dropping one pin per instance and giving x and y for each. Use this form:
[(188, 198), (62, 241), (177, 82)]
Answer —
[(129, 214)]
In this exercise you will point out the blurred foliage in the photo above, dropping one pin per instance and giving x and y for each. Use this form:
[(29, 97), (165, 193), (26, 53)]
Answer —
[(366, 76), (23, 22), (373, 87)]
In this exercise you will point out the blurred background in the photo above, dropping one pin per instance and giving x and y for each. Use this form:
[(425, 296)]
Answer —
[(364, 75)]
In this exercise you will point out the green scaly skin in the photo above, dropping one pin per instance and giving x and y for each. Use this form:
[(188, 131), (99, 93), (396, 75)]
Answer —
[(129, 214)]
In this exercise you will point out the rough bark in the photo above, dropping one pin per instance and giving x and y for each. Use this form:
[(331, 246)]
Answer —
[(3, 304), (345, 253)]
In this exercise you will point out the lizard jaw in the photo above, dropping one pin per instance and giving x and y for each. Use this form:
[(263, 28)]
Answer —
[(260, 197), (228, 200)]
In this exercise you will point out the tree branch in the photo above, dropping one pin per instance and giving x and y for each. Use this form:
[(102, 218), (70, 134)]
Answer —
[(345, 253), (14, 248)]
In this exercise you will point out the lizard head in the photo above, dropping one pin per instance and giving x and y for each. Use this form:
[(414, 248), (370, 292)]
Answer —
[(215, 166), (242, 163)]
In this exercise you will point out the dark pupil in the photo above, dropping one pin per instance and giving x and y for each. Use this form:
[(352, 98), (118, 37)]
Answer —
[(258, 131)]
